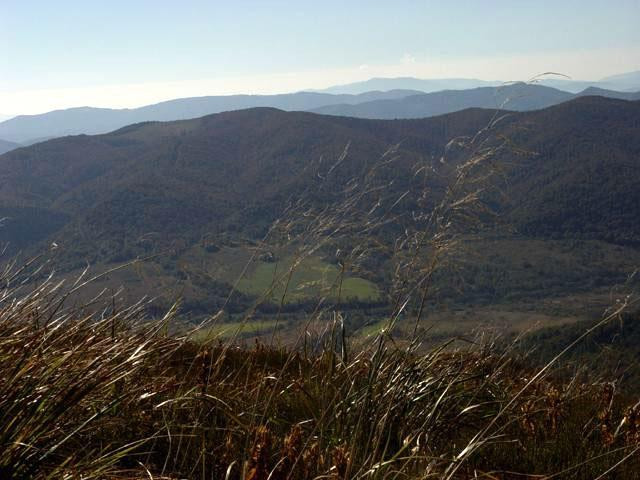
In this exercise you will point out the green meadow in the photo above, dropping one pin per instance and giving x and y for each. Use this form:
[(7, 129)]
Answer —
[(310, 278)]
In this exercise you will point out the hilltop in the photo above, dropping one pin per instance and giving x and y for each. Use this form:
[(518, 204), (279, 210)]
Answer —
[(7, 146), (388, 104)]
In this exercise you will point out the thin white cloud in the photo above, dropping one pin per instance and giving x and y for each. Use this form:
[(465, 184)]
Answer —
[(408, 59)]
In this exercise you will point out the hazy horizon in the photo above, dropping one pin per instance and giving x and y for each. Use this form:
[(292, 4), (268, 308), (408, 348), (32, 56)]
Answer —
[(125, 55)]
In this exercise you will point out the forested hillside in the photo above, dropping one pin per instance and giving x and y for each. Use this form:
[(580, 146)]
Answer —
[(205, 190)]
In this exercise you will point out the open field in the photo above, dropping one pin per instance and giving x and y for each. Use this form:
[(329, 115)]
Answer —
[(238, 329), (312, 278), (500, 285)]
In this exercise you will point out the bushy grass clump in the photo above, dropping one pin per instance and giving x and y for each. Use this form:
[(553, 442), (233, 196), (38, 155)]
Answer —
[(96, 391)]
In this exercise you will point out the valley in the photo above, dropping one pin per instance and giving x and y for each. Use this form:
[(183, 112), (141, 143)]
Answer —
[(331, 240), (199, 199)]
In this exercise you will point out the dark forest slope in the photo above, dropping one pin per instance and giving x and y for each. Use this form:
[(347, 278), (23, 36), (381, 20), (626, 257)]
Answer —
[(158, 187)]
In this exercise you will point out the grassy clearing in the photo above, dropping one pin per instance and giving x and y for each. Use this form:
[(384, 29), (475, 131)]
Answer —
[(373, 328), (311, 279), (231, 329)]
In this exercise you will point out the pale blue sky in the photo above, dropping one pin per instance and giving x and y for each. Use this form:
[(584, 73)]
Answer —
[(126, 53)]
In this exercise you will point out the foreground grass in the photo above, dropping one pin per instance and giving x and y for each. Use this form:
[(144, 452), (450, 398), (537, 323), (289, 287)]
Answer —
[(92, 393)]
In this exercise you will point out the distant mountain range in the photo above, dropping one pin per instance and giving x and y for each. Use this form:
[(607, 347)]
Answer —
[(408, 83), (623, 82), (382, 98), (28, 129), (516, 97)]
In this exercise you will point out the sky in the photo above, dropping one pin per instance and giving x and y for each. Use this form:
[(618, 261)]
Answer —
[(64, 53)]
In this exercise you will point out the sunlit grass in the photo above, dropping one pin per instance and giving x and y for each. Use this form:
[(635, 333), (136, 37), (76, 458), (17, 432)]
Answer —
[(312, 278), (233, 329)]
